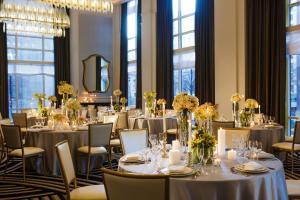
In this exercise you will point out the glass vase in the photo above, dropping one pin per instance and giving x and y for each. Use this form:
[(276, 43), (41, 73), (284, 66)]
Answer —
[(183, 127)]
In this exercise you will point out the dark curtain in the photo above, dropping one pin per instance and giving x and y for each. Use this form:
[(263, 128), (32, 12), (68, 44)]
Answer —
[(123, 53), (139, 57), (62, 60), (204, 51), (3, 73), (265, 55), (164, 51)]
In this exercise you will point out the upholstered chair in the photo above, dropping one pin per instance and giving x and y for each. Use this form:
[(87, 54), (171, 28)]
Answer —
[(133, 140)]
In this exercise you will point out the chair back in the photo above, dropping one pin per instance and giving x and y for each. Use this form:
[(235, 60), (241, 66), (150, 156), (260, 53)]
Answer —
[(133, 112), (297, 133), (20, 119), (66, 165), (99, 134), (122, 122), (4, 122), (0, 116), (12, 136), (221, 124), (111, 119), (119, 186), (235, 135), (133, 140)]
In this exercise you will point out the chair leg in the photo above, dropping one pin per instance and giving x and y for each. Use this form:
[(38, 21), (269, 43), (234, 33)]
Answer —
[(44, 164), (23, 162), (88, 167), (292, 162)]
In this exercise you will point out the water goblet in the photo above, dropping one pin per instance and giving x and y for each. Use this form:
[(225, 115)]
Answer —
[(153, 139)]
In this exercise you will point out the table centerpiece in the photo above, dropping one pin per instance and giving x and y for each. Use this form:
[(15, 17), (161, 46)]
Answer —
[(66, 90), (123, 102), (162, 107), (52, 100), (73, 106), (251, 105), (150, 98), (235, 99), (204, 115), (40, 97)]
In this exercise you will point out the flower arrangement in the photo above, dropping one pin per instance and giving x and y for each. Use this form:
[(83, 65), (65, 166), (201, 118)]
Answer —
[(149, 97), (245, 117), (59, 117), (203, 139), (52, 99), (117, 108), (184, 102), (73, 104), (44, 112), (251, 104), (123, 101), (40, 97), (117, 92), (206, 111), (161, 101), (235, 98), (65, 88)]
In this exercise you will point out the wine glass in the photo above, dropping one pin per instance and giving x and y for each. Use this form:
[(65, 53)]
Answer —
[(206, 156), (161, 138), (153, 139), (259, 148)]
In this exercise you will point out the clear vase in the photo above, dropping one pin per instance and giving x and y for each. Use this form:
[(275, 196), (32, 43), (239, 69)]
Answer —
[(183, 127)]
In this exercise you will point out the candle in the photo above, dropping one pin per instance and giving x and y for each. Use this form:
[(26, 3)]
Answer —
[(221, 142), (174, 156), (175, 144), (259, 109), (164, 109), (164, 119), (190, 135), (111, 103), (231, 155)]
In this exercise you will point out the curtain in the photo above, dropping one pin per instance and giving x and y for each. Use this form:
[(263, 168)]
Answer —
[(164, 51), (62, 60), (139, 57), (265, 55), (124, 51), (3, 73), (204, 51)]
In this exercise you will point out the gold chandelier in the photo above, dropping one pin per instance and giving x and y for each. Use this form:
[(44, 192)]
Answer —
[(101, 6), (30, 16)]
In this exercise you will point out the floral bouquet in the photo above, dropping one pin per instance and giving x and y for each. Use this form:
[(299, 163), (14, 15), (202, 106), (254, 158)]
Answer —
[(117, 93), (117, 108), (161, 101), (235, 98), (206, 111), (58, 117), (185, 103), (65, 88), (251, 104), (149, 97), (52, 100), (40, 97), (73, 104), (123, 101)]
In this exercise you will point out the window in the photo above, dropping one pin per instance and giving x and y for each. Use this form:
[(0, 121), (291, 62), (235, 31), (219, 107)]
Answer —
[(184, 46), (132, 46), (30, 69)]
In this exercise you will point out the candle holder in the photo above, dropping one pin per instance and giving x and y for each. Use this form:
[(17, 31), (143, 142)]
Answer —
[(164, 149)]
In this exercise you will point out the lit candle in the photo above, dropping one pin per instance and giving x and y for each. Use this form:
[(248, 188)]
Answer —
[(231, 155), (111, 103), (164, 119), (175, 144), (221, 142), (259, 109), (174, 156)]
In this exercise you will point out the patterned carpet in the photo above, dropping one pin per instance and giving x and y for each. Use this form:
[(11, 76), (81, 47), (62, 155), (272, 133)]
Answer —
[(39, 187)]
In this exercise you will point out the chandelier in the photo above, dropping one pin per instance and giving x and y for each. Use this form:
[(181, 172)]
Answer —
[(30, 16), (101, 6)]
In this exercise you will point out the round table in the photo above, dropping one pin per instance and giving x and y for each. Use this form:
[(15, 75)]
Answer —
[(222, 184), (47, 141)]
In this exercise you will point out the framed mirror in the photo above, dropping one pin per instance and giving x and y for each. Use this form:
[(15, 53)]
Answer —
[(96, 74)]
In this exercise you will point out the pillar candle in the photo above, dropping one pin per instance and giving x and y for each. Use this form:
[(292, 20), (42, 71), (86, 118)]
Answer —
[(259, 109), (231, 155), (221, 142), (164, 119), (175, 144), (174, 156)]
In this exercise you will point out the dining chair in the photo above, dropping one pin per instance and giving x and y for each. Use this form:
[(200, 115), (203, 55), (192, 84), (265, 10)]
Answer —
[(98, 143), (235, 134), (2, 143), (120, 186), (290, 147), (293, 188), (122, 122), (13, 142), (133, 140), (221, 124), (93, 192), (111, 119)]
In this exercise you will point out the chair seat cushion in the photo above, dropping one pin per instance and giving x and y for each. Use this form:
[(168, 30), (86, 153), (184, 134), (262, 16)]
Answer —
[(286, 146), (172, 131), (94, 150), (115, 142), (93, 192), (293, 187), (28, 151), (289, 138)]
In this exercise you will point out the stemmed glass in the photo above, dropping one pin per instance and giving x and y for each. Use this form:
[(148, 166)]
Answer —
[(259, 148), (200, 155), (153, 139), (206, 156)]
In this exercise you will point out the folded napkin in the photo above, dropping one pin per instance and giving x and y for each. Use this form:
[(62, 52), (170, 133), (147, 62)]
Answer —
[(252, 166), (176, 169), (132, 158), (37, 126), (265, 155)]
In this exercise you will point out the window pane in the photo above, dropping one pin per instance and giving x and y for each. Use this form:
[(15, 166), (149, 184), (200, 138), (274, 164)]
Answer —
[(188, 40), (30, 43), (187, 7), (176, 82), (188, 24), (175, 8), (294, 15), (49, 56), (48, 44), (188, 81), (131, 44), (132, 84), (30, 55), (28, 69), (11, 54), (49, 69), (175, 43), (131, 55), (11, 41), (131, 25), (175, 27), (294, 1)]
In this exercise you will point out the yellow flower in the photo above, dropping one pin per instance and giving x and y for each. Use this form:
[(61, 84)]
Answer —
[(59, 117), (185, 102), (161, 101), (123, 100), (117, 92), (206, 111), (251, 104), (39, 96), (236, 98), (149, 95), (52, 99), (65, 88), (73, 104)]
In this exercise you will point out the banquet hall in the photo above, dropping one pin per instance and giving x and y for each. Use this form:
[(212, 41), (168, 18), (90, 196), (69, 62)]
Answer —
[(149, 99)]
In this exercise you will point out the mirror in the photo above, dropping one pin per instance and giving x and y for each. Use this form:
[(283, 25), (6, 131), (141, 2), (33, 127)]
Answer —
[(96, 74)]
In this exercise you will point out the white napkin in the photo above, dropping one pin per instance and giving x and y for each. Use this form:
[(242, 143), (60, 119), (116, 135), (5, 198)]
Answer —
[(132, 157), (265, 155), (252, 166), (176, 169)]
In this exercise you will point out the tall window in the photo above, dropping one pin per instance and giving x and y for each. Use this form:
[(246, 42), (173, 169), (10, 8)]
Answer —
[(132, 60), (184, 46), (30, 69)]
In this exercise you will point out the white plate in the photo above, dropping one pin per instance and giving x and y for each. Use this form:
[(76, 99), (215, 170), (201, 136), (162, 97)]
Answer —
[(140, 160), (256, 171), (187, 172)]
